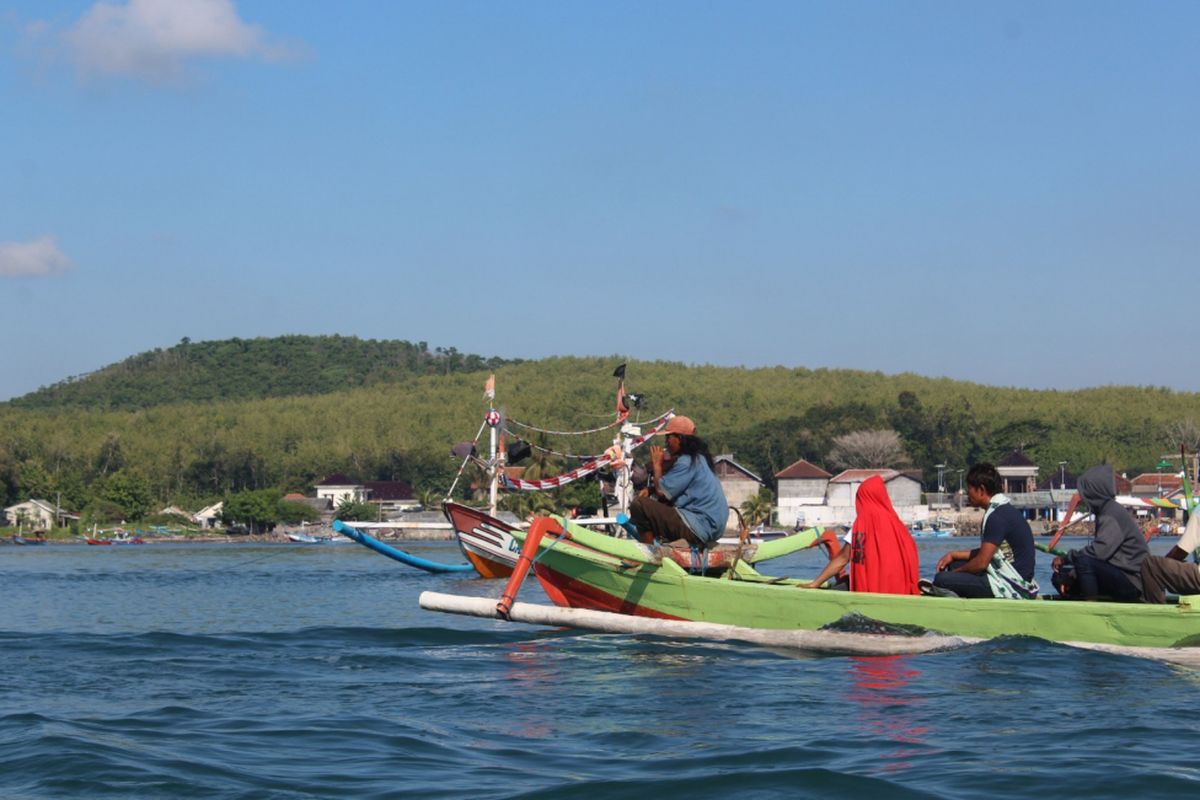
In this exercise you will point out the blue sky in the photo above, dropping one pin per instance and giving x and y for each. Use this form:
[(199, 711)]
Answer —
[(1007, 193)]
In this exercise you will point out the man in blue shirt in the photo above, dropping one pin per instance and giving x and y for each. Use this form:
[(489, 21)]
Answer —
[(686, 500), (1002, 565)]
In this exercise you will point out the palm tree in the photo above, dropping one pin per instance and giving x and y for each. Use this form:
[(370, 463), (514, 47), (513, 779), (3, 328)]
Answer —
[(757, 510)]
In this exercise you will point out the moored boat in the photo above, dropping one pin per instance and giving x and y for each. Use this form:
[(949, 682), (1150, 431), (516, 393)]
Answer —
[(579, 568)]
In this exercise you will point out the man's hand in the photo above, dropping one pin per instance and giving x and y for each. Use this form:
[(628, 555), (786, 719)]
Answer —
[(656, 456)]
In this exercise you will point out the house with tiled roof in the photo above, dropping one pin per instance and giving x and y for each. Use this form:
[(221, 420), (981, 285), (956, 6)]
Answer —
[(903, 489), (390, 496), (36, 514), (797, 485), (1155, 484), (738, 483), (808, 495), (1017, 473), (337, 487)]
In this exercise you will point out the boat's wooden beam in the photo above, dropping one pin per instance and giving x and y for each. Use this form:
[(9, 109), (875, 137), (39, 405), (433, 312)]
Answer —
[(606, 622), (825, 642)]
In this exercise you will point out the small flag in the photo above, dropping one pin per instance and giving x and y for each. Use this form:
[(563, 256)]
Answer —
[(489, 388)]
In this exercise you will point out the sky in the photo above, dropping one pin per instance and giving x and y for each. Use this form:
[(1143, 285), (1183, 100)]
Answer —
[(1005, 192)]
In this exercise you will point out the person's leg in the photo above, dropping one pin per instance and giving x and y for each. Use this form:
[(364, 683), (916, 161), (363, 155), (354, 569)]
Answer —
[(1100, 579), (963, 584), (1160, 575), (660, 521)]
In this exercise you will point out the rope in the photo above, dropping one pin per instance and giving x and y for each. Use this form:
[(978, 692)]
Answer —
[(579, 472), (539, 448), (527, 426), (467, 460)]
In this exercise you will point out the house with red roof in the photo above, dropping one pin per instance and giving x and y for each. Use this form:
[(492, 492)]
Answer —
[(799, 485), (738, 483), (903, 489)]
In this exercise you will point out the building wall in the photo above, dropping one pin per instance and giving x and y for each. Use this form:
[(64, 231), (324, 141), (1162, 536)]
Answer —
[(738, 491), (820, 514), (335, 494), (33, 514), (901, 491), (794, 489)]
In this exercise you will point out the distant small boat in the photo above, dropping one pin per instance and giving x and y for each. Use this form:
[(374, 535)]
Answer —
[(126, 539), (932, 529), (757, 535), (308, 538), (23, 540)]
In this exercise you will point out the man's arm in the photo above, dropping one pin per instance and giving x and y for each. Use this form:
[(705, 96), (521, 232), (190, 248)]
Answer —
[(978, 563), (835, 565), (953, 555)]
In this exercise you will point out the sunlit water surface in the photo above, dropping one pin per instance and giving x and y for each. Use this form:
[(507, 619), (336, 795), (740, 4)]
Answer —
[(292, 671)]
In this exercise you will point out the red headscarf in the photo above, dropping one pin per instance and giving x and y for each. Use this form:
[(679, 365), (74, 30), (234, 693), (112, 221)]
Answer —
[(883, 556)]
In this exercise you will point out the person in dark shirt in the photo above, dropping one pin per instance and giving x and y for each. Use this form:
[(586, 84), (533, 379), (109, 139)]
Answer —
[(1002, 565)]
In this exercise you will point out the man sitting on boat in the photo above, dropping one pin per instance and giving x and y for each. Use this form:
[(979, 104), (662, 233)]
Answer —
[(685, 500), (1171, 573), (1110, 565), (1002, 565), (881, 553)]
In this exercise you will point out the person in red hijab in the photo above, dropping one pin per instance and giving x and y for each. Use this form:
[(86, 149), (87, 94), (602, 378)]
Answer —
[(882, 554)]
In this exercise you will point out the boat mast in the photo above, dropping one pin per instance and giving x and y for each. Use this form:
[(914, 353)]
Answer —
[(495, 459)]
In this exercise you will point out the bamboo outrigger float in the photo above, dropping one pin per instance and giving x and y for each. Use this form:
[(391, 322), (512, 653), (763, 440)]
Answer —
[(581, 569)]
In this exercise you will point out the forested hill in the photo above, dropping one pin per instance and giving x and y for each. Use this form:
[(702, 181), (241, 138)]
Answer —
[(252, 369), (199, 422)]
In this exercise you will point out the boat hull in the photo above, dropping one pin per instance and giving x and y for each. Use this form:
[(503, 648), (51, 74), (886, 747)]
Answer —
[(485, 541), (583, 573)]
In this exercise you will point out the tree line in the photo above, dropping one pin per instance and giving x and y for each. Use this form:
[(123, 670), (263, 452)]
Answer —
[(120, 460)]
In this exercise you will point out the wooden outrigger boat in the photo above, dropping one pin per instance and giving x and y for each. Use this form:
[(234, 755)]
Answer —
[(487, 542), (582, 569)]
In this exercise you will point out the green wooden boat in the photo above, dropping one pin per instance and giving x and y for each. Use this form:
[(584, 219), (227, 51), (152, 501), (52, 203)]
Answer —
[(580, 568)]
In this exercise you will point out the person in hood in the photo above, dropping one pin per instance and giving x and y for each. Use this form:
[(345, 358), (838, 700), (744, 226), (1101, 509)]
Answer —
[(1110, 565), (686, 500), (882, 554)]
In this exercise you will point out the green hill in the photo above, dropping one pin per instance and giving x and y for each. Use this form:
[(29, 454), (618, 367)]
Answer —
[(250, 369), (306, 407)]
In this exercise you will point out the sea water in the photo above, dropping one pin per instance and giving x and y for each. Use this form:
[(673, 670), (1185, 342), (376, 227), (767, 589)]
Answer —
[(301, 671)]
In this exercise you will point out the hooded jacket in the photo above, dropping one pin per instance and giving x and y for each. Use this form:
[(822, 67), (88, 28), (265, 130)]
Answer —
[(883, 555), (1118, 539)]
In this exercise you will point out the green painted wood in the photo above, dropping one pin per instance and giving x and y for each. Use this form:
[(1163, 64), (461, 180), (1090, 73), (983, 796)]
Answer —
[(649, 589)]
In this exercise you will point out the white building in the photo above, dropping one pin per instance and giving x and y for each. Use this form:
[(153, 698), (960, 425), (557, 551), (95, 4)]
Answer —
[(209, 517), (903, 490), (799, 503), (800, 486), (34, 514), (338, 487)]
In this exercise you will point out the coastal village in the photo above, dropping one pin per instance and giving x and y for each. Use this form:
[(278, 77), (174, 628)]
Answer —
[(805, 495)]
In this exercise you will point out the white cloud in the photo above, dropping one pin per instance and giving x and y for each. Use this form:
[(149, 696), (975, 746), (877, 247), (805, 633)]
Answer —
[(154, 39), (39, 257)]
